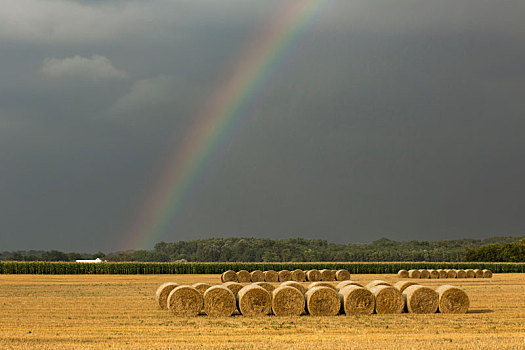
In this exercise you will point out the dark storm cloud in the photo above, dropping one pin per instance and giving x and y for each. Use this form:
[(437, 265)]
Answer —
[(401, 119)]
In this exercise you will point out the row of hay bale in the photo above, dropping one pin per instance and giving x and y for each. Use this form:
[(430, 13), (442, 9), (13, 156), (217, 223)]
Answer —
[(297, 275), (321, 298), (445, 273)]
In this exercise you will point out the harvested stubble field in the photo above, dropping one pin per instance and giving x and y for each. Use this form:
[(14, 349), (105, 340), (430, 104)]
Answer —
[(119, 311)]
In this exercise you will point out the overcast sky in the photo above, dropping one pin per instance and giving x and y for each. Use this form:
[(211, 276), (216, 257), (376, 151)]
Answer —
[(391, 118)]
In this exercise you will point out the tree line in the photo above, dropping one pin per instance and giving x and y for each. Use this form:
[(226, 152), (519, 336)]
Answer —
[(510, 252), (243, 249)]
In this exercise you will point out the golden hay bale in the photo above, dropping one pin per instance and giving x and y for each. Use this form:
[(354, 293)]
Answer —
[(402, 285), (451, 273), (402, 274), (377, 283), (356, 300), (161, 296), (342, 275), (487, 274), (461, 274), (235, 287), (343, 284), (452, 300), (434, 274), (470, 273), (268, 286), (287, 301), (478, 273), (185, 301), (322, 301), (298, 276), (442, 273), (389, 300), (243, 276), (219, 301), (257, 276), (285, 275), (425, 274), (420, 300), (229, 276), (313, 275), (321, 284), (327, 275), (271, 276), (294, 284), (414, 274), (201, 287), (254, 301)]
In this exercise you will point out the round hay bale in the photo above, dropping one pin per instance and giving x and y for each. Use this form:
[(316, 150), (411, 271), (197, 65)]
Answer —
[(451, 273), (254, 301), (229, 276), (343, 284), (470, 273), (185, 301), (342, 275), (243, 276), (161, 296), (452, 300), (294, 284), (414, 274), (285, 275), (402, 285), (257, 276), (356, 300), (420, 300), (478, 273), (268, 286), (461, 274), (425, 274), (235, 287), (402, 274), (377, 283), (271, 276), (434, 274), (287, 301), (219, 301), (201, 287), (298, 276), (389, 300), (322, 301), (487, 274), (442, 273), (327, 275), (321, 284), (313, 275)]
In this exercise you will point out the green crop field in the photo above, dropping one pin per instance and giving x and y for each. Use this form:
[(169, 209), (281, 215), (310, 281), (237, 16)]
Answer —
[(131, 268)]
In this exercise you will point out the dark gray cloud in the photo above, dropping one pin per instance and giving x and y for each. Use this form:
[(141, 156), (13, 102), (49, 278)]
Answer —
[(401, 119)]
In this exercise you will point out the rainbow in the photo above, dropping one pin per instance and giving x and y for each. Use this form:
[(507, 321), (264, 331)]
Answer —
[(218, 118)]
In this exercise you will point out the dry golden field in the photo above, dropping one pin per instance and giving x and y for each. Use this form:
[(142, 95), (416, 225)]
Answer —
[(119, 311)]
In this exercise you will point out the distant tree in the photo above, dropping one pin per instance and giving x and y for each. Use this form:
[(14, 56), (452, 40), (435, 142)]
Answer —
[(54, 255)]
